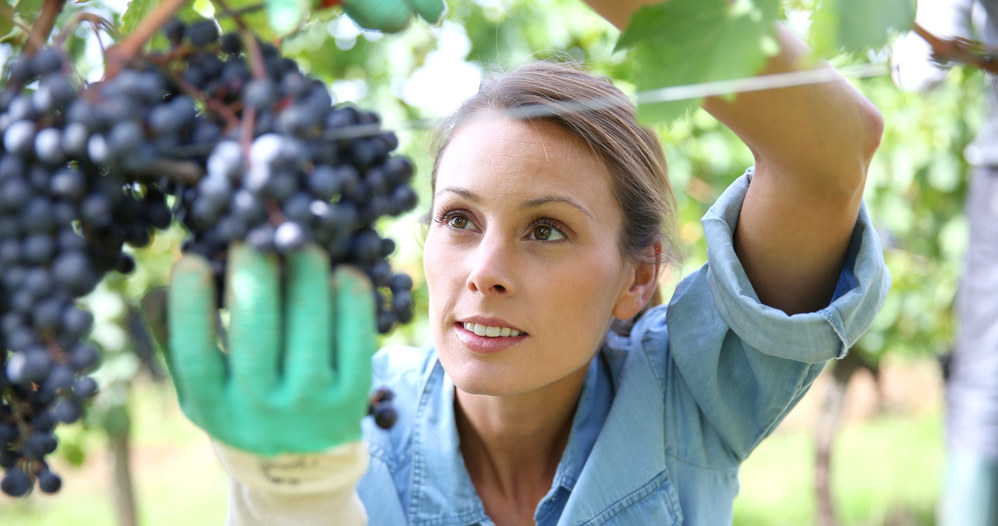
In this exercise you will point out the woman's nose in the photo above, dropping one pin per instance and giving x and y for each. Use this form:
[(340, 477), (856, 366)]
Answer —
[(492, 268)]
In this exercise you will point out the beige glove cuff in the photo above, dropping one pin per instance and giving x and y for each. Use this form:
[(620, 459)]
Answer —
[(295, 489)]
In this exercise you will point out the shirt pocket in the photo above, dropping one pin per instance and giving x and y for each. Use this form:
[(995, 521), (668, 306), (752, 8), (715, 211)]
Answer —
[(654, 503)]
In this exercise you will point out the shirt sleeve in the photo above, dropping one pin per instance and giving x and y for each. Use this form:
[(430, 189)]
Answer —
[(731, 367)]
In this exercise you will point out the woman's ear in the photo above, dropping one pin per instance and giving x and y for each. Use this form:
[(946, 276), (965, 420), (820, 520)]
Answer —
[(641, 284)]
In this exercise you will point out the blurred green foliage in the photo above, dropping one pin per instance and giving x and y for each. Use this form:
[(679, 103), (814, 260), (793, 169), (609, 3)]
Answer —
[(915, 189)]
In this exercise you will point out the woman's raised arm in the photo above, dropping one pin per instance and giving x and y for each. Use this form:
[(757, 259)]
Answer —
[(812, 145)]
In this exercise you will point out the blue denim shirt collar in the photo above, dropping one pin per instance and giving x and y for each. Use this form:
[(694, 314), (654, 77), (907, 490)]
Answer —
[(442, 492)]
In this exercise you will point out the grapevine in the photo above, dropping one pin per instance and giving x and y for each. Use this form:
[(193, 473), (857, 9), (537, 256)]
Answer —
[(218, 132)]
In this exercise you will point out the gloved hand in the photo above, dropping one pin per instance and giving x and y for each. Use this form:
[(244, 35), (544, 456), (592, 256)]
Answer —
[(296, 373), (392, 15)]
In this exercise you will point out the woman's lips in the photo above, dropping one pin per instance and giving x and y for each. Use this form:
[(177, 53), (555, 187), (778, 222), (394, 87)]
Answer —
[(485, 344)]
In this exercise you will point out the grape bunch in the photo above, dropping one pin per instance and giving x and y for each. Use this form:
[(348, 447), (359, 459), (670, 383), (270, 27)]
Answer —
[(291, 171), (65, 217)]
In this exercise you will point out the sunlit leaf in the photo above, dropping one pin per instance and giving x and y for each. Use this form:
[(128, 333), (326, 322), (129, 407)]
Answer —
[(856, 25), (284, 16), (251, 13), (692, 41), (134, 13), (28, 9)]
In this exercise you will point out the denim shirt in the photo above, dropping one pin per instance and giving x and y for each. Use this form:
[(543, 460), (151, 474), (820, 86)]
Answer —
[(665, 415)]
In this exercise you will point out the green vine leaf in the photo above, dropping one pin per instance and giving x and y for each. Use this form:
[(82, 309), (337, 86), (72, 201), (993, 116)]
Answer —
[(857, 25), (691, 41), (257, 20), (134, 13), (28, 9)]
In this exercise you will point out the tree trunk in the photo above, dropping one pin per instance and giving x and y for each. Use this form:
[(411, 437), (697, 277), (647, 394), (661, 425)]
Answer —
[(118, 426), (826, 429)]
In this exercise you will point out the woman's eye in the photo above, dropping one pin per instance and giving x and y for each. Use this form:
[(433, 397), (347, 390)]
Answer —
[(544, 232), (459, 222)]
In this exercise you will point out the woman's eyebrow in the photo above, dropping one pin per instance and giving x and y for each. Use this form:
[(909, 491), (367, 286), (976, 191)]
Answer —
[(532, 203), (470, 196)]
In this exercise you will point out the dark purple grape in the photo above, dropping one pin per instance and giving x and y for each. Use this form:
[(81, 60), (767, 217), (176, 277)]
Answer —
[(385, 415), (174, 30), (260, 94), (83, 356), (15, 483), (85, 387), (400, 282), (202, 33), (74, 271), (48, 482), (289, 236), (46, 60), (19, 138), (38, 444), (67, 410), (28, 366)]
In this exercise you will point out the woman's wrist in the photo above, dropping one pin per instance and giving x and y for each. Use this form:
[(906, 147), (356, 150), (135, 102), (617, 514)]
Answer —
[(329, 471)]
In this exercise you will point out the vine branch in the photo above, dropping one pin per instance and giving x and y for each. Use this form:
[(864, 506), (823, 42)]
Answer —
[(121, 54), (42, 27), (960, 50)]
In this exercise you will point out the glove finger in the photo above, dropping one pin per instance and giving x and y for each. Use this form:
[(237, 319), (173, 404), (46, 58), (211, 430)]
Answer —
[(153, 308), (194, 360), (253, 296), (383, 15), (355, 338), (308, 311), (431, 10)]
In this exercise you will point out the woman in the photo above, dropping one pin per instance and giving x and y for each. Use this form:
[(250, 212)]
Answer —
[(527, 408)]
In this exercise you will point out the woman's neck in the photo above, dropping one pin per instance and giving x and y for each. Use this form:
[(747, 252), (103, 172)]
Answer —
[(512, 444)]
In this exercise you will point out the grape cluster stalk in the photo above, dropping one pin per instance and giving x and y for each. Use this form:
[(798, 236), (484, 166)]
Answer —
[(219, 132)]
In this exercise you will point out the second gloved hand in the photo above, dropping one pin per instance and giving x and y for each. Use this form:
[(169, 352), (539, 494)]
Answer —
[(392, 15), (296, 372)]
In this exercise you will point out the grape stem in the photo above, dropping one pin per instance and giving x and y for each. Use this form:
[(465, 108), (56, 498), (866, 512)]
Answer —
[(213, 105), (960, 50), (96, 22), (42, 27), (185, 172), (248, 123), (118, 56), (244, 10)]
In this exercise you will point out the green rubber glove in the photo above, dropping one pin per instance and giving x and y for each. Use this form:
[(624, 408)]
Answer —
[(392, 15), (296, 373)]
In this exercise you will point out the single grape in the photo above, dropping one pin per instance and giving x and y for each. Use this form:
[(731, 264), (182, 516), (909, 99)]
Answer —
[(15, 483)]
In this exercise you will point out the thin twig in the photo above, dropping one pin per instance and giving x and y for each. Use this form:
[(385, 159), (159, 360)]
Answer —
[(244, 10), (96, 22), (213, 105), (121, 54), (227, 11)]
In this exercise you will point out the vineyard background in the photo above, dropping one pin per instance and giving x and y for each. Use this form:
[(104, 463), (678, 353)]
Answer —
[(888, 461)]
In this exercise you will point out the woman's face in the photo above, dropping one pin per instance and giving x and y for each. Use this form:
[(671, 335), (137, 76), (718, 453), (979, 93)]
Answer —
[(522, 258)]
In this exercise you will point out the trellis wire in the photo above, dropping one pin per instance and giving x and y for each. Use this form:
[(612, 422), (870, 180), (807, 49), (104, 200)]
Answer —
[(665, 94)]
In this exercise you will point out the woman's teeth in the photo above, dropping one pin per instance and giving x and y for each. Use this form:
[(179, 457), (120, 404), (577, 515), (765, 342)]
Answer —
[(490, 332)]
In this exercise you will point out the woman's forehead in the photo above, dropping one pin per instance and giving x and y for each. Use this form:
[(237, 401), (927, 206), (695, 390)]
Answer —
[(494, 144)]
